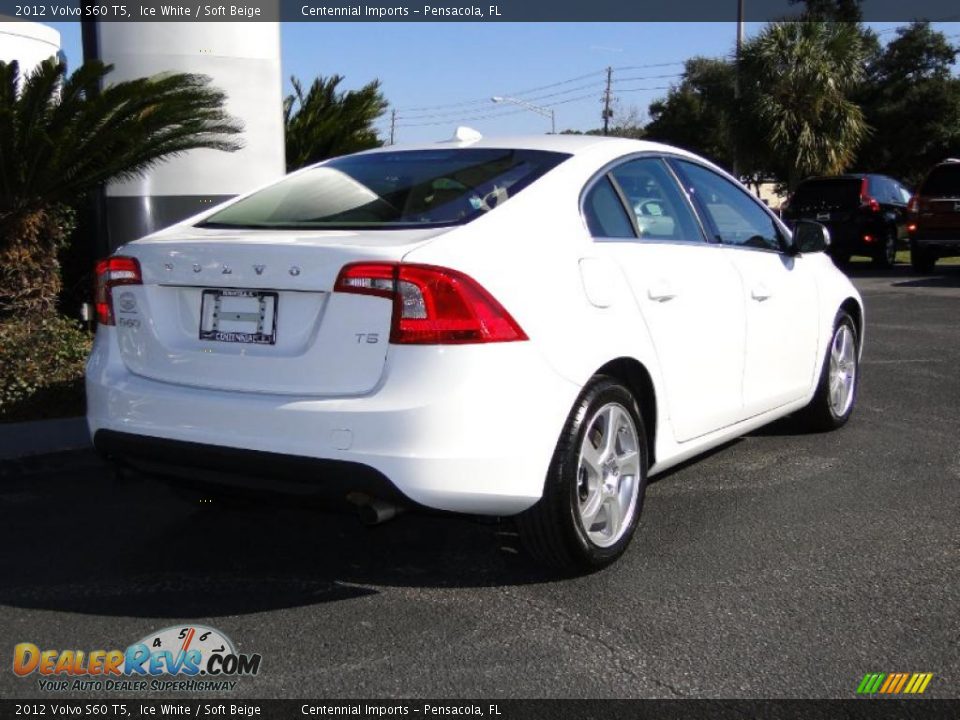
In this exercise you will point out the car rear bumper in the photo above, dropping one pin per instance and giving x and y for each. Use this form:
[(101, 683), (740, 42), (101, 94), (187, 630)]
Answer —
[(849, 238), (945, 242), (467, 429)]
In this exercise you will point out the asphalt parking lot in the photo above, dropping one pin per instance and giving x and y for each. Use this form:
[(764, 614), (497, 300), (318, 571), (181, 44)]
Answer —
[(782, 565)]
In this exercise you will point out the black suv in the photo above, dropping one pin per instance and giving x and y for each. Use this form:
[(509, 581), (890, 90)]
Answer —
[(866, 214), (934, 219)]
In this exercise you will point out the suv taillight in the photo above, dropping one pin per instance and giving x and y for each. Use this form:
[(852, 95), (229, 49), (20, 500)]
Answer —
[(113, 271), (866, 201), (432, 305)]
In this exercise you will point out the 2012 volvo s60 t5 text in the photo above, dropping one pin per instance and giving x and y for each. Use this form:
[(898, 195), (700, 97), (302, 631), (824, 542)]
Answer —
[(524, 327)]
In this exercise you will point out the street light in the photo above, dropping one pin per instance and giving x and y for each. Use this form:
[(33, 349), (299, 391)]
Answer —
[(546, 112)]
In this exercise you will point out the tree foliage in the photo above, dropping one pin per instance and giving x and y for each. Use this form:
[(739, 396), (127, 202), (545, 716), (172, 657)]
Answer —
[(831, 10), (323, 122), (61, 137), (797, 85), (912, 102), (699, 113)]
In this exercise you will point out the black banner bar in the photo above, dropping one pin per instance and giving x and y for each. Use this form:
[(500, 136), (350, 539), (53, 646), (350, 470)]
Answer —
[(452, 10), (110, 709)]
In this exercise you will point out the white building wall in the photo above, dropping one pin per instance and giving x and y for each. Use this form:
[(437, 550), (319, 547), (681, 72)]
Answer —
[(243, 60), (28, 43)]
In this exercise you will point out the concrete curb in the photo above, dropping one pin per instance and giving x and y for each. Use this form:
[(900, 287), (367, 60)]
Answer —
[(20, 440)]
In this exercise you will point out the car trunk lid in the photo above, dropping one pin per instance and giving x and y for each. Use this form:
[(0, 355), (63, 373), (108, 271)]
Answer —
[(255, 311)]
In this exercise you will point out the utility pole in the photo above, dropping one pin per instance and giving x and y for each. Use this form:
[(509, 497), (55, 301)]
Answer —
[(736, 87), (607, 112), (393, 123)]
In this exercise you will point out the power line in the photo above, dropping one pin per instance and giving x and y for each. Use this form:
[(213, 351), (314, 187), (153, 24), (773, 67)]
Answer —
[(481, 101), (648, 77), (487, 99), (641, 89), (651, 65), (560, 93), (461, 119), (488, 116)]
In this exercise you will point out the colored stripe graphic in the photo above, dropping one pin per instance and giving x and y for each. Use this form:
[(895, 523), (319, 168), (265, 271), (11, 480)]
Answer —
[(870, 683), (918, 683), (899, 687), (894, 683)]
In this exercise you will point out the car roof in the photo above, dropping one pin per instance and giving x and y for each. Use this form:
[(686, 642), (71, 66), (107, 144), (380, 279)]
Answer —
[(844, 176), (851, 176), (571, 144)]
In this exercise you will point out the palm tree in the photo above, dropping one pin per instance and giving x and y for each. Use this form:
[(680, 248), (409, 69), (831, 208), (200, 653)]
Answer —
[(322, 123), (797, 82), (61, 137)]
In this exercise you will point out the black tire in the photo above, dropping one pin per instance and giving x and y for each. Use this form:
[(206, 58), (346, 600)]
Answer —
[(922, 259), (552, 530), (820, 415), (885, 255)]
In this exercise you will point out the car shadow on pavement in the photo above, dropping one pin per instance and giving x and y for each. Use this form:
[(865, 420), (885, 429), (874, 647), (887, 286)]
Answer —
[(942, 276), (73, 541), (937, 280)]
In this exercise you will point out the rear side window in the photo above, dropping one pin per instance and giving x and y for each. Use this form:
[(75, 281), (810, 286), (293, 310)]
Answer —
[(413, 188), (661, 211), (605, 214), (882, 189), (943, 181), (827, 194)]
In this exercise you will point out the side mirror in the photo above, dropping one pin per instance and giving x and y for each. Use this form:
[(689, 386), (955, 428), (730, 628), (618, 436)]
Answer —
[(810, 237)]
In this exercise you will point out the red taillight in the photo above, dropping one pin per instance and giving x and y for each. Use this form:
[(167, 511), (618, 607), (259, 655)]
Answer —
[(865, 200), (113, 271), (432, 305)]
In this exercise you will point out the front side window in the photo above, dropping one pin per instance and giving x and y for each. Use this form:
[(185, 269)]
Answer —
[(736, 218), (391, 190), (661, 211)]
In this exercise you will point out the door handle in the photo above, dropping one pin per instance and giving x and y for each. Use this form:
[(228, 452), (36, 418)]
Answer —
[(760, 292), (661, 291)]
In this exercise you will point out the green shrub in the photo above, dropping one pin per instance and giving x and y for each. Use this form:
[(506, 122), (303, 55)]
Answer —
[(41, 368)]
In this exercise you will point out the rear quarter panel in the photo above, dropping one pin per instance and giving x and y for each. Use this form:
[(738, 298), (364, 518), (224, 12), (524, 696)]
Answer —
[(528, 254)]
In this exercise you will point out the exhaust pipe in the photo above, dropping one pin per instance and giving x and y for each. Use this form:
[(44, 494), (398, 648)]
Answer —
[(373, 511), (379, 511)]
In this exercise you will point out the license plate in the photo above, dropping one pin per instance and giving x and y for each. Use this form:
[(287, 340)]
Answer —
[(240, 316), (823, 216)]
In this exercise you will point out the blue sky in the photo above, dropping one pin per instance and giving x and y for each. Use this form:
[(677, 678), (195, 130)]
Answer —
[(460, 66)]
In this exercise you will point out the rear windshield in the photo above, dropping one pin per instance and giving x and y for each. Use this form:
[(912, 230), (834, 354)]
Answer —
[(841, 192), (413, 188), (943, 181)]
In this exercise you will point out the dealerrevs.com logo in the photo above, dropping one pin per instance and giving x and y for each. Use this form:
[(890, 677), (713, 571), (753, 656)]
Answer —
[(188, 658)]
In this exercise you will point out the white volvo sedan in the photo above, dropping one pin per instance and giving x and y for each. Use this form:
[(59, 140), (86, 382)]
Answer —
[(524, 327)]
